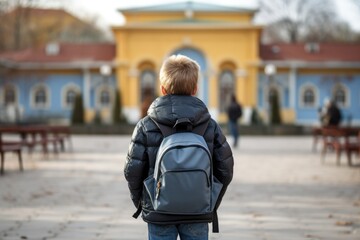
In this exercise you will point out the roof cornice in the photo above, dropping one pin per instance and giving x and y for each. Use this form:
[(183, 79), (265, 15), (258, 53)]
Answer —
[(181, 6), (186, 26), (311, 64), (56, 66)]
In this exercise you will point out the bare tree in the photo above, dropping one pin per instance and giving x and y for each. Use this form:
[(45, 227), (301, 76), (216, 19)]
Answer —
[(300, 20), (25, 23)]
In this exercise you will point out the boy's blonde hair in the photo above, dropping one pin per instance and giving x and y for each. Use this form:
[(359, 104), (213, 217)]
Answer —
[(179, 75)]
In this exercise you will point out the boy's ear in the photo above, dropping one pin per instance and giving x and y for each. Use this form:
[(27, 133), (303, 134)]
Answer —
[(163, 90), (195, 91)]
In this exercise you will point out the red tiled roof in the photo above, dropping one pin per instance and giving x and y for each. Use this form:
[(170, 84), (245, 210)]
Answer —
[(326, 52), (68, 52)]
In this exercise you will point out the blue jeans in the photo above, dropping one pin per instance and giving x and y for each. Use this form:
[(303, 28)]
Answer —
[(234, 132), (193, 231)]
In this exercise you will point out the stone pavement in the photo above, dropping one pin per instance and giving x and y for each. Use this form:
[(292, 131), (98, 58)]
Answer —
[(280, 191)]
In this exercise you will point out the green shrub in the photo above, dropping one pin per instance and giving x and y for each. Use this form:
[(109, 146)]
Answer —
[(77, 116), (275, 110), (117, 108), (255, 117), (97, 120)]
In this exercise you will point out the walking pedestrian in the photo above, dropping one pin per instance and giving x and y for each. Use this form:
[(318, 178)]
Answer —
[(234, 112)]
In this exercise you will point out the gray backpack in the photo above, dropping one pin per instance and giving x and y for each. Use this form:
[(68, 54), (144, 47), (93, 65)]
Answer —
[(183, 181)]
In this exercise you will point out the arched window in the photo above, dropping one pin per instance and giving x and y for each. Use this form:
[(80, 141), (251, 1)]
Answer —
[(70, 97), (341, 95), (227, 86), (69, 93), (148, 83), (9, 95), (40, 97), (309, 97)]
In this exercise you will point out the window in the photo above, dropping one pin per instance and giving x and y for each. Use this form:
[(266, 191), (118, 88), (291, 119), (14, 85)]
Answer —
[(9, 96), (40, 97), (309, 98), (70, 97), (68, 94), (147, 81), (227, 86), (341, 95)]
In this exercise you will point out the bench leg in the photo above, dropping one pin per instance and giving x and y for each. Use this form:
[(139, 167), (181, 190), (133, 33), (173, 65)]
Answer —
[(55, 147), (315, 141), (45, 149), (20, 160), (70, 143), (62, 144), (338, 153), (2, 163), (348, 153), (323, 152)]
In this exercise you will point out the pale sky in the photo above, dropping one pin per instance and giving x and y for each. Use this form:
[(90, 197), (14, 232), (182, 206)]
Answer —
[(106, 10)]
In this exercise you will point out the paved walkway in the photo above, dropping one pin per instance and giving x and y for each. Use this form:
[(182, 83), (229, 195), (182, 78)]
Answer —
[(280, 191)]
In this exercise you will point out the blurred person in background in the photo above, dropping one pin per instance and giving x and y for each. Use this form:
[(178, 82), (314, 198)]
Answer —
[(330, 114), (234, 112)]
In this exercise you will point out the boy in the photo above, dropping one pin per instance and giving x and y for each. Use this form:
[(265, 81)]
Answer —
[(178, 80)]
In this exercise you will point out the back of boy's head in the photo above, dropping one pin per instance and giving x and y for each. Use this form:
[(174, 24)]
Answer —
[(179, 75)]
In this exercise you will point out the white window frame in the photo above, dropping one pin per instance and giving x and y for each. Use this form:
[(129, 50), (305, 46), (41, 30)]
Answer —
[(305, 87), (48, 97), (98, 91), (347, 95), (64, 91)]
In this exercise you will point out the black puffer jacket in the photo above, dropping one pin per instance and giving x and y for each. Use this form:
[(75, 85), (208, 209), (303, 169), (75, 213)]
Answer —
[(146, 140)]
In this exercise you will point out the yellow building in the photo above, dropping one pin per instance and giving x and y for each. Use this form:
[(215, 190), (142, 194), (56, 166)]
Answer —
[(223, 40)]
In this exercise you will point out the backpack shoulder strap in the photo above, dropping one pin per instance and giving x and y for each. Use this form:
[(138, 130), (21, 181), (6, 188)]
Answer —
[(200, 129), (215, 223), (165, 130)]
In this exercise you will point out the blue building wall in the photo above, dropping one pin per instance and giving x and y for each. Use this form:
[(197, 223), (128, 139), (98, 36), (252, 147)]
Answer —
[(281, 81), (324, 86), (55, 83)]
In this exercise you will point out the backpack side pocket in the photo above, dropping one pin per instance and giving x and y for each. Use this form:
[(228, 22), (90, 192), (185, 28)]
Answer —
[(215, 192), (149, 184)]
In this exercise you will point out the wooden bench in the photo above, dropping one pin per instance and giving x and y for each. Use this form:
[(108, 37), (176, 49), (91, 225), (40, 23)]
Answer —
[(40, 135), (61, 133), (9, 147), (340, 140)]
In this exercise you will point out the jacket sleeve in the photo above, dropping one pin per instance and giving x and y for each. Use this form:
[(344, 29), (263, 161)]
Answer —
[(223, 161), (135, 165)]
